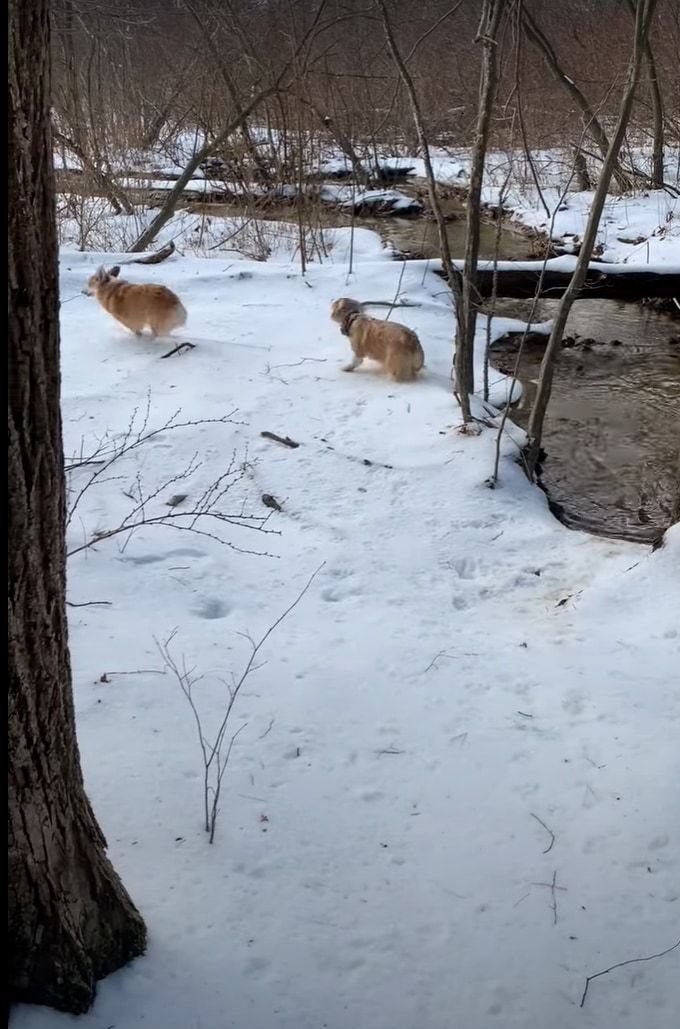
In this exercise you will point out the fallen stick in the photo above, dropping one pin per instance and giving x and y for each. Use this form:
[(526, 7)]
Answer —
[(286, 441), (388, 303), (178, 349), (621, 964)]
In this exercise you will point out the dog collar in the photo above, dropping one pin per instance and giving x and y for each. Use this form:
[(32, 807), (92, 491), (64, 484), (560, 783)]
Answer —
[(349, 322)]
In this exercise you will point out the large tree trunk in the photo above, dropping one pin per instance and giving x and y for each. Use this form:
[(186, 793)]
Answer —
[(70, 921)]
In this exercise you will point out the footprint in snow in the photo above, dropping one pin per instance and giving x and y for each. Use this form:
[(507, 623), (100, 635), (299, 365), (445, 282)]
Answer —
[(211, 608)]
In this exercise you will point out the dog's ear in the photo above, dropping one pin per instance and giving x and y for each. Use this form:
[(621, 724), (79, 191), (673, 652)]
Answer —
[(115, 271)]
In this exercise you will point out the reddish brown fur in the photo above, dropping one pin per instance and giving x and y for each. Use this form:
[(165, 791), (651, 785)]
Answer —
[(137, 306), (394, 346)]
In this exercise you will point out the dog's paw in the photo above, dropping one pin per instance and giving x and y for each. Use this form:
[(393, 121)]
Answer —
[(348, 368)]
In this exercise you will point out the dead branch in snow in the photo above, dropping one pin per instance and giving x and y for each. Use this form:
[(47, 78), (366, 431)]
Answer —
[(549, 831), (553, 887), (145, 511), (622, 964), (161, 255), (285, 441), (178, 349)]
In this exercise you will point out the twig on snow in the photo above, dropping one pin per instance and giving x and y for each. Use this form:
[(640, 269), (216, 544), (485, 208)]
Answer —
[(621, 964), (549, 831), (267, 730), (433, 662), (553, 887), (178, 349)]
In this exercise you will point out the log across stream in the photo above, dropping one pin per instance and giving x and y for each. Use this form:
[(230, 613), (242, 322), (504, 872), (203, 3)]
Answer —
[(526, 279)]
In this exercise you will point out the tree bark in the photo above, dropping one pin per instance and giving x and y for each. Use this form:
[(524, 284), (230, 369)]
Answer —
[(581, 170), (70, 921), (643, 16)]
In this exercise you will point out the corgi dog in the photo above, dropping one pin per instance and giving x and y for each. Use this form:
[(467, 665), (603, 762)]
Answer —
[(394, 346), (137, 306)]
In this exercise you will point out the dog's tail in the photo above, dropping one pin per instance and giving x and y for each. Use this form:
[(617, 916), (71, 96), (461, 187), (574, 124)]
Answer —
[(181, 314)]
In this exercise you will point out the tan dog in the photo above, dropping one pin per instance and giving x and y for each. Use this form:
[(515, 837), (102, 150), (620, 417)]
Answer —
[(135, 306), (397, 348)]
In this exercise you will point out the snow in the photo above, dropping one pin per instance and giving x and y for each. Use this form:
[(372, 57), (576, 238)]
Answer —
[(464, 678), (637, 230), (640, 229), (392, 200), (344, 196), (339, 165), (197, 184)]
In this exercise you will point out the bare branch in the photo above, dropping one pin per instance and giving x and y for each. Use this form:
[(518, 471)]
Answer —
[(214, 762), (621, 964)]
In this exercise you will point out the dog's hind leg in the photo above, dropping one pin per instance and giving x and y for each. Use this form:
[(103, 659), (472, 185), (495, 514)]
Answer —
[(353, 364)]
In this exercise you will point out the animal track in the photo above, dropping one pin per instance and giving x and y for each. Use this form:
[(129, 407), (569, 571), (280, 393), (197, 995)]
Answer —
[(342, 588), (211, 608), (148, 559), (465, 568), (143, 559)]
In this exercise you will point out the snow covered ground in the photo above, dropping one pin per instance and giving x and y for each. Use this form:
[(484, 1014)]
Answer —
[(643, 228), (454, 796)]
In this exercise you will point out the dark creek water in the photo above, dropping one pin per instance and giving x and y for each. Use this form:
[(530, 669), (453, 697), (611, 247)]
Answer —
[(414, 237), (612, 434)]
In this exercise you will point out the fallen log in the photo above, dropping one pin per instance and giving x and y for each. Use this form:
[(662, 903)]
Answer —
[(160, 255), (520, 280)]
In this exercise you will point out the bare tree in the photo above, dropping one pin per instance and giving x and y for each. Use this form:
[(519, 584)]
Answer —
[(242, 109), (643, 17), (230, 85), (453, 277), (492, 11), (657, 176), (590, 119), (77, 111), (70, 920)]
